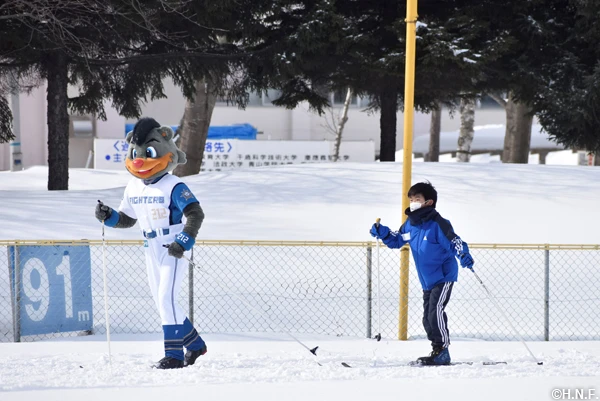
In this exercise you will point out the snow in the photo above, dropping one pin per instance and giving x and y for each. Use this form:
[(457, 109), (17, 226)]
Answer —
[(258, 203), (487, 202), (261, 367)]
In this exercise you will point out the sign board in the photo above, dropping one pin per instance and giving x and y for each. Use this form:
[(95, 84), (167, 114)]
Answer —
[(52, 287), (233, 153), (110, 154), (224, 154)]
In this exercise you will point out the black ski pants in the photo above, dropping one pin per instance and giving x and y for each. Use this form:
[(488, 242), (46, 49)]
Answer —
[(435, 320)]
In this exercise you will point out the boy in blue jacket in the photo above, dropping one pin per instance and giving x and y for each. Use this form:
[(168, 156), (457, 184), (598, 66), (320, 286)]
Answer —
[(435, 247)]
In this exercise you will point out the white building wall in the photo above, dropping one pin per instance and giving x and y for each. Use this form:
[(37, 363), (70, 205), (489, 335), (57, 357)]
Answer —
[(34, 137)]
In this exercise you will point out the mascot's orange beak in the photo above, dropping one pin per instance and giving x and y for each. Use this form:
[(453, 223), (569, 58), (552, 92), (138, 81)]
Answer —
[(144, 168)]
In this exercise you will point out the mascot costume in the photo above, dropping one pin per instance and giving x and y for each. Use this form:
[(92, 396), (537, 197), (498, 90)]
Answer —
[(169, 215)]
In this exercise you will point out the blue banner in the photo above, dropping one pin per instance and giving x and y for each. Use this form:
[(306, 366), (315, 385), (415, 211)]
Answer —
[(55, 288), (236, 131)]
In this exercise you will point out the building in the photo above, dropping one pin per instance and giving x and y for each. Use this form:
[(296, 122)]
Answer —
[(273, 123)]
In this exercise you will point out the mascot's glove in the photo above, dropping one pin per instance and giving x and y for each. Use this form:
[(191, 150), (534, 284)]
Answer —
[(466, 260), (175, 250), (378, 231), (103, 212), (183, 242), (106, 214)]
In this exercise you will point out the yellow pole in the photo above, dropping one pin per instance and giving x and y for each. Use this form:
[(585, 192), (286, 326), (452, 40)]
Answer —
[(409, 96)]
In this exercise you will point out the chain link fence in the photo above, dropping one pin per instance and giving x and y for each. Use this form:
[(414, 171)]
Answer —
[(56, 289)]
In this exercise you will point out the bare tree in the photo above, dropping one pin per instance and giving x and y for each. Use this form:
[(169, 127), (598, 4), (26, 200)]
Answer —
[(336, 123), (194, 127), (465, 136), (519, 119), (433, 155)]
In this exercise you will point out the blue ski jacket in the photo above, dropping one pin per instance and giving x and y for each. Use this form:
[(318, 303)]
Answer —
[(433, 243)]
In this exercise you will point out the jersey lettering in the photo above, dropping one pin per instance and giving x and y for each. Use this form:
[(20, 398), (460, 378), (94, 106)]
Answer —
[(137, 200)]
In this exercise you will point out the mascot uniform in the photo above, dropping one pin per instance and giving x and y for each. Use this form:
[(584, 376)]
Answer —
[(168, 214)]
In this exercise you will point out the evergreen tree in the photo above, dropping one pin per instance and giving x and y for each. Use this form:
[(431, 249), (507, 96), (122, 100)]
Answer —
[(361, 44), (119, 50), (522, 43), (568, 103)]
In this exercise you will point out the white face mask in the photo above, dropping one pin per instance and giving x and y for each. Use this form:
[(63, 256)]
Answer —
[(415, 206)]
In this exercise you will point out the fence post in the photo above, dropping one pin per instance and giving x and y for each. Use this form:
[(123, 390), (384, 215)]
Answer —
[(547, 294), (403, 301), (17, 298), (191, 288), (369, 288)]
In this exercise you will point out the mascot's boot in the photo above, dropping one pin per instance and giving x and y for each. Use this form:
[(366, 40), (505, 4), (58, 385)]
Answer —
[(195, 345), (173, 347), (191, 356), (169, 363)]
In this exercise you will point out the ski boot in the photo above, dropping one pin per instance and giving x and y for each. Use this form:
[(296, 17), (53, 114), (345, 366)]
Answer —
[(439, 356)]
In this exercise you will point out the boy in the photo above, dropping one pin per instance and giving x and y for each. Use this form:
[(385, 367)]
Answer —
[(435, 247)]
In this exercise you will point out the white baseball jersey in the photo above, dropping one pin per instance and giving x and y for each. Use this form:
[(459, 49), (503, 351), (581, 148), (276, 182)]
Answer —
[(158, 205)]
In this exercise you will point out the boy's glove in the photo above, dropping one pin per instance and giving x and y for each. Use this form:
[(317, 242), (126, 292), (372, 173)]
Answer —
[(466, 260), (378, 231)]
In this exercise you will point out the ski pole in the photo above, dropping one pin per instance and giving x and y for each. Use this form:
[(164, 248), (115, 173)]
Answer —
[(505, 317), (106, 315), (378, 336), (313, 351)]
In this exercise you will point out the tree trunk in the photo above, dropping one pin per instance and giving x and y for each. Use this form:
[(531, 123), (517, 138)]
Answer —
[(6, 120), (388, 101), (517, 141), (597, 159), (434, 135), (465, 137), (196, 120), (341, 125), (58, 122)]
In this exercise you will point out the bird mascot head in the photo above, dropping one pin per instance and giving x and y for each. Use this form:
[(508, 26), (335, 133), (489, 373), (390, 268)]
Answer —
[(152, 151)]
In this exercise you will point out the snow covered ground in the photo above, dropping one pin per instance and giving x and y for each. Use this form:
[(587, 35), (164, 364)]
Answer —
[(327, 202), (271, 367), (485, 202)]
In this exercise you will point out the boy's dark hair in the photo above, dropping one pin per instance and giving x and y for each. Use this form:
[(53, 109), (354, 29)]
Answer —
[(425, 189)]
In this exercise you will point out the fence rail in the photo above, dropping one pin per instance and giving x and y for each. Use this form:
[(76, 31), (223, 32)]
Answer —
[(55, 289)]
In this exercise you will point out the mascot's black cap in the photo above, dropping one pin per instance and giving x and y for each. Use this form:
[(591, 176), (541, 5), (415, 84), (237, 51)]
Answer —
[(142, 128)]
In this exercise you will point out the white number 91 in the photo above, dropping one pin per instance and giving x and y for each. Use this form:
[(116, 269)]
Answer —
[(40, 294)]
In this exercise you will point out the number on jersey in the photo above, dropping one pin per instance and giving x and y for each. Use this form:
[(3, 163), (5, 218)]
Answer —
[(159, 214)]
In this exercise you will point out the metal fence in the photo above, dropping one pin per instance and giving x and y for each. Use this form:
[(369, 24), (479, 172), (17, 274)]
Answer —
[(55, 289)]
